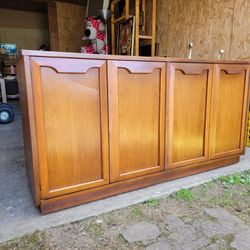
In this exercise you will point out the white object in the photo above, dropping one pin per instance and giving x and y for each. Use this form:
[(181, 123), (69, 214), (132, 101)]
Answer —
[(9, 77), (190, 47), (3, 90), (221, 52), (105, 4)]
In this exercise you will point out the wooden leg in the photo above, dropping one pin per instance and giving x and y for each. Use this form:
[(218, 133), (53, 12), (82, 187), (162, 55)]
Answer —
[(127, 9), (144, 17), (3, 91), (153, 28), (113, 28), (137, 26)]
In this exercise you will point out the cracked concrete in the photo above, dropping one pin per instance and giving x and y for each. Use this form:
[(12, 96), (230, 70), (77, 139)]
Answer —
[(183, 236), (20, 216)]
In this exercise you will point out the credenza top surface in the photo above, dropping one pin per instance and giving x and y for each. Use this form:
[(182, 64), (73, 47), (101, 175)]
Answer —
[(126, 58)]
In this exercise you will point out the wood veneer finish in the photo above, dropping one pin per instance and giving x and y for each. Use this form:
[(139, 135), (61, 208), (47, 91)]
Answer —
[(95, 126), (61, 202), (229, 108), (50, 54), (136, 115), (71, 120), (189, 94)]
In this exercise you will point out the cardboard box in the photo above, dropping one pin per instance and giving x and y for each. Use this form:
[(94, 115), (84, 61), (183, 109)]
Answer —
[(8, 49)]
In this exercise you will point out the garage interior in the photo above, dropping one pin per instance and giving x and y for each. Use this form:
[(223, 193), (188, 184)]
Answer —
[(211, 26)]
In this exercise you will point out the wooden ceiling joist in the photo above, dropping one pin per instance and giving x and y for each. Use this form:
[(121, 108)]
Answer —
[(79, 2), (26, 5), (34, 5)]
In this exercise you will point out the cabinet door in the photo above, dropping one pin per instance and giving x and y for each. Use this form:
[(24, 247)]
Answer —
[(136, 118), (189, 88), (229, 109), (70, 101)]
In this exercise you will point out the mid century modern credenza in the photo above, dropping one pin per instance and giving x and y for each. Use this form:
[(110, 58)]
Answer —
[(96, 125)]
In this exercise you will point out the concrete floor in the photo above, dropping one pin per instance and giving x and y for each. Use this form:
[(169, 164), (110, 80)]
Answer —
[(19, 216)]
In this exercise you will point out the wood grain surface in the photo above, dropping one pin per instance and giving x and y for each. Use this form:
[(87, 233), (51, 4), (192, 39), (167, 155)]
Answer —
[(71, 120), (229, 110), (65, 201), (95, 126), (189, 94), (137, 118), (211, 25)]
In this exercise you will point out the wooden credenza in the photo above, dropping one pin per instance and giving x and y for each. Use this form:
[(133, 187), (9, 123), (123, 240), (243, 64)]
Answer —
[(95, 126)]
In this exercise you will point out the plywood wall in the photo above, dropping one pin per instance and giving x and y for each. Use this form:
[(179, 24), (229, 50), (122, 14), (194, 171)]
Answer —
[(240, 48), (29, 30), (210, 24), (70, 18)]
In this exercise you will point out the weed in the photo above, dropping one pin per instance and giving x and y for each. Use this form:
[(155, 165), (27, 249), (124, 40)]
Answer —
[(248, 211), (29, 241), (184, 194), (214, 239), (210, 185), (95, 230), (227, 198), (212, 201), (238, 178), (139, 244), (110, 219), (152, 202), (136, 210), (229, 239), (88, 234)]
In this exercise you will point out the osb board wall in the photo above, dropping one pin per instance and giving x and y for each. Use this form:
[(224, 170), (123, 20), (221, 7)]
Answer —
[(206, 23), (210, 24), (70, 21), (240, 48), (16, 27)]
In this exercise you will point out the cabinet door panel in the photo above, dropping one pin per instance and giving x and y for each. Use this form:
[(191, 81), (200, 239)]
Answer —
[(136, 112), (188, 111), (71, 118), (229, 107)]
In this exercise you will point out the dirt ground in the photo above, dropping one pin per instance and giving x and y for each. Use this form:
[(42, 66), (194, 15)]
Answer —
[(232, 193)]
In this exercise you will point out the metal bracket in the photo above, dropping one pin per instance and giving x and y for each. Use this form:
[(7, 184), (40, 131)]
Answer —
[(190, 47)]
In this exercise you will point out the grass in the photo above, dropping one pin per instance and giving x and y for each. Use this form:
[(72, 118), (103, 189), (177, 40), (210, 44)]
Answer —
[(227, 198), (238, 178), (152, 202), (29, 241), (110, 219), (136, 210), (230, 192), (95, 230), (184, 194), (248, 211)]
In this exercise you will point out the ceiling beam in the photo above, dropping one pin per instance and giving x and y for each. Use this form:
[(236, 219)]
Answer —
[(34, 5), (78, 2), (26, 5)]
